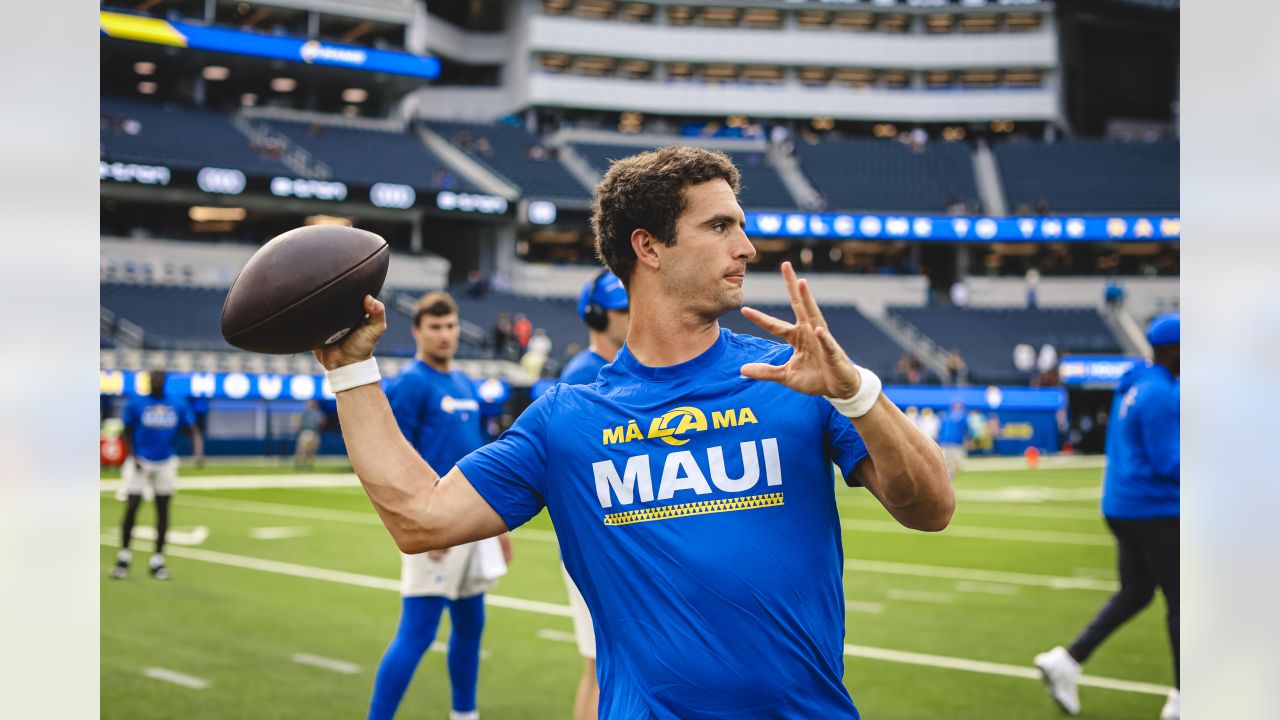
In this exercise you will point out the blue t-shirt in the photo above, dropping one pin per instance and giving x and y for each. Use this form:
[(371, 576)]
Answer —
[(153, 425), (696, 511), (583, 368), (1144, 447), (954, 428), (437, 412)]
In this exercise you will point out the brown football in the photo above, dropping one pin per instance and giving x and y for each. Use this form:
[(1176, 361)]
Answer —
[(304, 289)]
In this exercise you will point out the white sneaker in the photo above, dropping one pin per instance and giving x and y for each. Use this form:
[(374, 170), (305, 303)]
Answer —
[(470, 715), (1172, 707), (1060, 672)]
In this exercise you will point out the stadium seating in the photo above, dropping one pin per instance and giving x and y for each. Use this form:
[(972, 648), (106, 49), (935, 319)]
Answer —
[(887, 175), (371, 156), (762, 188), (513, 153), (171, 316), (1090, 176), (865, 342), (157, 134), (986, 337)]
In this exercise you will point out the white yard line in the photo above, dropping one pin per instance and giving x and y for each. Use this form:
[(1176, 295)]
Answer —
[(861, 606), (281, 510), (175, 677), (921, 596), (989, 668), (313, 513), (278, 533), (1033, 511), (338, 666), (544, 608), (253, 482), (557, 635), (1048, 462), (1057, 582), (339, 576), (968, 586), (1029, 494), (983, 533), (439, 646)]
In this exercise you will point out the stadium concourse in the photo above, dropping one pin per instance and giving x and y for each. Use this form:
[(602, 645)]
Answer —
[(982, 195)]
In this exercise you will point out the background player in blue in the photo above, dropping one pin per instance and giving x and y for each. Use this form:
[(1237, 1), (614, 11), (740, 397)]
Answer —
[(436, 409), (691, 487), (1141, 503), (152, 423), (953, 433), (603, 307)]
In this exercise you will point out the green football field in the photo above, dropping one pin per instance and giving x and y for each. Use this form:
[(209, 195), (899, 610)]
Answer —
[(283, 599)]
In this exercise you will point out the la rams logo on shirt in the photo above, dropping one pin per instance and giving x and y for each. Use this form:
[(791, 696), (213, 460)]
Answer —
[(451, 404), (159, 416), (670, 426)]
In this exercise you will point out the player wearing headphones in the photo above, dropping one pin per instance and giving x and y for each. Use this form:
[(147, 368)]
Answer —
[(603, 307)]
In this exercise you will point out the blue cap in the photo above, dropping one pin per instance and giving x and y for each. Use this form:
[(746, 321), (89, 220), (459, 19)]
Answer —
[(1164, 329), (606, 291)]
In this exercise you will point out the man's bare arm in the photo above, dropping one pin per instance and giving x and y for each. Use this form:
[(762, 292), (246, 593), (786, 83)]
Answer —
[(917, 493), (421, 510)]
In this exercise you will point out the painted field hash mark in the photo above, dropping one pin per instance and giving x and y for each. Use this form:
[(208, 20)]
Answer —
[(176, 678)]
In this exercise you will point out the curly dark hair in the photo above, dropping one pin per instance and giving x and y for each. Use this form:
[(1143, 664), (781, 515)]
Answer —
[(647, 191)]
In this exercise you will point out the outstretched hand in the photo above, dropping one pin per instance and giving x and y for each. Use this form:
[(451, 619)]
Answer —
[(359, 343), (818, 366)]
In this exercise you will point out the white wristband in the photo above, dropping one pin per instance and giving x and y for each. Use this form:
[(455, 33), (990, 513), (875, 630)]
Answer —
[(354, 375), (863, 400)]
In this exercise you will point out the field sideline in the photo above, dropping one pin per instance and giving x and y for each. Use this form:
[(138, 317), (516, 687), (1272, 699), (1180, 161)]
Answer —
[(286, 593)]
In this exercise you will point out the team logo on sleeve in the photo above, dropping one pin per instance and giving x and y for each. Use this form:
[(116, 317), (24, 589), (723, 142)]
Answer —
[(672, 426)]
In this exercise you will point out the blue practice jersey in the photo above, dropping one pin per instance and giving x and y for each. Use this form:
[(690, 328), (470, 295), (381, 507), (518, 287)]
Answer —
[(954, 428), (583, 368), (437, 412), (696, 511), (1144, 446), (153, 425)]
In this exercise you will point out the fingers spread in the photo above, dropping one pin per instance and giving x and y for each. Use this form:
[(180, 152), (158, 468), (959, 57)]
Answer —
[(764, 371), (767, 322), (829, 344), (811, 305), (793, 292)]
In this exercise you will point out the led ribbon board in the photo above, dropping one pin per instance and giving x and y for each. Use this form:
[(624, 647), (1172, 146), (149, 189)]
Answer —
[(241, 42), (896, 226)]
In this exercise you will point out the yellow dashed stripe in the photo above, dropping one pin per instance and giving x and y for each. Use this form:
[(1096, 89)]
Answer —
[(142, 29), (703, 507)]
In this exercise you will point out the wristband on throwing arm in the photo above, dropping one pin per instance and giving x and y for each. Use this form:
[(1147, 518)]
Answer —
[(863, 400), (354, 375)]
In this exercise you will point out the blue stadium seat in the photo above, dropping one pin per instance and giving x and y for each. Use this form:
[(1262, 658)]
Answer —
[(172, 317), (177, 137), (762, 188), (986, 337), (862, 339), (886, 175), (371, 156), (1090, 176), (509, 151)]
